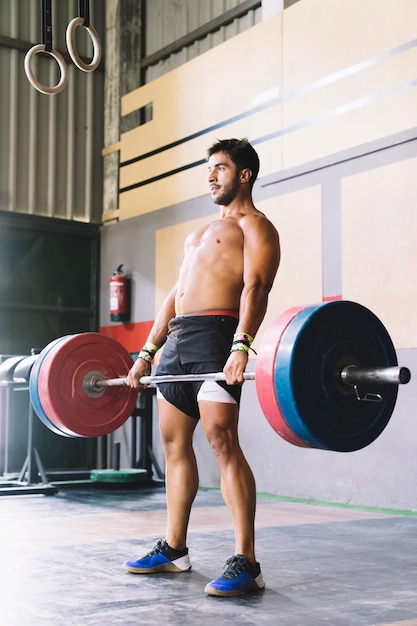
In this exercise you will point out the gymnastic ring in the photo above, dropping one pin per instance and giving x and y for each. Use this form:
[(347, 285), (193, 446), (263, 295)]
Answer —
[(85, 67), (34, 81)]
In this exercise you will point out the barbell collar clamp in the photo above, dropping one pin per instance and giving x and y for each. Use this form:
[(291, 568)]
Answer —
[(353, 375)]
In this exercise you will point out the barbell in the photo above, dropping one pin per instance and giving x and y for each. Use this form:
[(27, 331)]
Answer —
[(326, 377)]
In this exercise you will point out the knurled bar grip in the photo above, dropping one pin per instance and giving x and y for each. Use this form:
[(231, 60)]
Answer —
[(153, 380)]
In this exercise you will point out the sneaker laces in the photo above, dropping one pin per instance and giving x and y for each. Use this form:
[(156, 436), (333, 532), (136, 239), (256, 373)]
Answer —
[(158, 548), (235, 565)]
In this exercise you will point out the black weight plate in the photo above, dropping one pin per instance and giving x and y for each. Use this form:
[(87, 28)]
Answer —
[(318, 406)]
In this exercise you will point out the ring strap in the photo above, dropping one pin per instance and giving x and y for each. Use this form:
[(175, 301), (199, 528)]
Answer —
[(47, 24), (84, 9)]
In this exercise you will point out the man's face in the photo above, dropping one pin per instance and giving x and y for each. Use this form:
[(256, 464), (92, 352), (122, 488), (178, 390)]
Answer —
[(223, 178)]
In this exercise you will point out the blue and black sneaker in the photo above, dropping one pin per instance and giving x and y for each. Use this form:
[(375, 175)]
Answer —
[(239, 577), (162, 558)]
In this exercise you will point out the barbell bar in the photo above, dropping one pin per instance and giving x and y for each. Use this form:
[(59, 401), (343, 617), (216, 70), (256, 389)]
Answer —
[(326, 377), (351, 375), (98, 383)]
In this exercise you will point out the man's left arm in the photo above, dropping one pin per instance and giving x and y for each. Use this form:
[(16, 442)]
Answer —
[(261, 257)]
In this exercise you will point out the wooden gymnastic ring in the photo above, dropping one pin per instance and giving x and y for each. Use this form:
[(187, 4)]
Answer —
[(94, 63), (34, 81)]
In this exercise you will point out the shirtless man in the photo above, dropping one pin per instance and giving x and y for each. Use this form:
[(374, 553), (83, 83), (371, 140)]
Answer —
[(207, 324)]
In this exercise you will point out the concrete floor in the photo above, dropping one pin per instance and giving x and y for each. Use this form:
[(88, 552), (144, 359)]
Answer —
[(61, 561)]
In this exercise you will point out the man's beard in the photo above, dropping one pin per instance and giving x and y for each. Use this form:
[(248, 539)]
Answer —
[(229, 193)]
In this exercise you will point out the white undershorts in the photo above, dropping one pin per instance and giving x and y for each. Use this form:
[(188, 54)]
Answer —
[(210, 391)]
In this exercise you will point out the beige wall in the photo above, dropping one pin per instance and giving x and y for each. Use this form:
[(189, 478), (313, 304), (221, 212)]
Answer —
[(379, 245), (322, 95)]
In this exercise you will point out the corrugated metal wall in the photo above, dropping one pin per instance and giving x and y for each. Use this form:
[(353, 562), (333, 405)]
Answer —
[(50, 148), (168, 21)]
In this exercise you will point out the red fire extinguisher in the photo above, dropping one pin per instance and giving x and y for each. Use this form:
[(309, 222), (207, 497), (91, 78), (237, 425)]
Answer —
[(119, 296)]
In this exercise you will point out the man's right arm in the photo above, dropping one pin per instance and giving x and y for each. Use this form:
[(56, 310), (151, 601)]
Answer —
[(157, 337)]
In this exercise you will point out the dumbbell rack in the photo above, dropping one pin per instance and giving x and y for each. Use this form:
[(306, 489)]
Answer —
[(14, 377)]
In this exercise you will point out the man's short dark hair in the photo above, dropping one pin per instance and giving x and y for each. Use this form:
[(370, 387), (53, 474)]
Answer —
[(242, 154)]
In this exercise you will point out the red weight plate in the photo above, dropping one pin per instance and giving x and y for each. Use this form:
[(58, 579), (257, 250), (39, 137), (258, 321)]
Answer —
[(61, 383), (265, 378), (35, 392)]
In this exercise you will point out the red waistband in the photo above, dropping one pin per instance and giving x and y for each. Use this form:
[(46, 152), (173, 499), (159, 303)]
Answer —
[(228, 312)]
